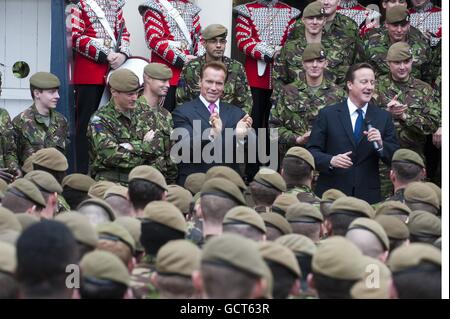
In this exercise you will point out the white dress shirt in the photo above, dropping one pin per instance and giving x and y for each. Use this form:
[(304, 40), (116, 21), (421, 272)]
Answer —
[(353, 113)]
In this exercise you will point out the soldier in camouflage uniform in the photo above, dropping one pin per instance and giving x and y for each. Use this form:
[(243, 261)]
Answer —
[(116, 146), (153, 117), (236, 90), (40, 126)]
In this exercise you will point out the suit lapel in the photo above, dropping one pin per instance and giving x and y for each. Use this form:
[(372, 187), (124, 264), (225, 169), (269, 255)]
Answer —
[(201, 110), (344, 117)]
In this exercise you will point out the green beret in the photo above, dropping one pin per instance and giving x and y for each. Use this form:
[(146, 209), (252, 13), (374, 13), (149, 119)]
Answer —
[(78, 181), (280, 255), (98, 189), (314, 9), (270, 178), (224, 188), (99, 202), (437, 190), (29, 190), (283, 202), (45, 81), (80, 226), (116, 232), (395, 229), (3, 185), (28, 163), (397, 14), (418, 192), (194, 182), (303, 212), (214, 30), (124, 80), (180, 197), (277, 221), (8, 220), (52, 159), (354, 205), (371, 226), (338, 258), (148, 173), (244, 215), (166, 214), (313, 51), (331, 195), (424, 224), (299, 244), (44, 181), (234, 251), (133, 226), (8, 260), (117, 190), (361, 290), (303, 154), (104, 265), (26, 220), (178, 257), (404, 155), (393, 207), (400, 51), (158, 71), (412, 255), (226, 173)]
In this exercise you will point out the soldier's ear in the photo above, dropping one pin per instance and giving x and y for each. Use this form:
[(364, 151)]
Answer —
[(296, 288), (197, 282), (310, 281), (259, 288), (393, 293), (154, 279)]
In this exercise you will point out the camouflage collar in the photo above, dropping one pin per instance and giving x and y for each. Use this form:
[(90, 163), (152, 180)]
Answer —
[(300, 189), (348, 4), (225, 60), (410, 83), (116, 112), (39, 117), (426, 7)]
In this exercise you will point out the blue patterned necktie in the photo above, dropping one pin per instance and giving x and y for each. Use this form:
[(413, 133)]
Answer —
[(358, 126)]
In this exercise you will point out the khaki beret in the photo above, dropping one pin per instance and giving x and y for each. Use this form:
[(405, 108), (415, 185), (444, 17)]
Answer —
[(244, 215), (180, 197), (104, 265), (303, 212), (98, 189), (99, 202), (117, 190), (44, 81), (303, 154), (222, 187), (418, 192), (133, 226), (26, 220), (235, 251), (277, 221), (214, 30), (194, 182), (279, 254), (28, 163), (166, 214), (8, 220), (400, 51), (437, 190), (78, 181), (80, 226), (52, 159), (361, 290), (397, 14), (338, 258), (178, 257), (29, 190), (412, 255), (352, 204), (393, 207), (394, 227), (404, 155), (270, 178), (149, 174), (314, 9), (158, 71), (116, 232), (299, 244), (283, 202), (313, 51), (44, 181), (331, 195), (372, 226), (226, 173), (124, 80), (8, 260), (3, 185), (424, 224)]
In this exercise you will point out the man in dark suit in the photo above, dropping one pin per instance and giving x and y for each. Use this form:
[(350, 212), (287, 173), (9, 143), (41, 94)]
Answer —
[(201, 124), (349, 138)]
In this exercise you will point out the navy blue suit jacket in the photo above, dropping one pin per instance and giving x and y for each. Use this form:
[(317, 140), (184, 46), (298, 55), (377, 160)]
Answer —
[(332, 134)]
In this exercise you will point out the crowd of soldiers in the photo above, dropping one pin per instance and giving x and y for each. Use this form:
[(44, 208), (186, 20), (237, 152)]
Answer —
[(135, 233)]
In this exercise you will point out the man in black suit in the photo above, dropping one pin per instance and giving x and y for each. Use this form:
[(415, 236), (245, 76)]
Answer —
[(349, 138), (200, 125)]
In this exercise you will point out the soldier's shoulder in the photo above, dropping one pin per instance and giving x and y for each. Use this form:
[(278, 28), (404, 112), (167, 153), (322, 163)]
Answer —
[(150, 5), (421, 85), (60, 117), (244, 9), (345, 21), (23, 116)]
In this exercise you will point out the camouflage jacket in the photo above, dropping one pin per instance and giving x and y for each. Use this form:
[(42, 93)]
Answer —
[(8, 151), (32, 134), (236, 90), (423, 115), (305, 195), (159, 120), (140, 282), (436, 67)]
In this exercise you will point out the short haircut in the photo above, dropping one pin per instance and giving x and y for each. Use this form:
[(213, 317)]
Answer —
[(395, 243), (18, 204), (121, 206), (305, 263), (331, 288), (9, 287), (95, 213), (58, 175), (32, 88), (245, 230), (283, 280), (341, 220), (407, 172), (74, 197), (216, 65), (263, 195), (215, 207), (310, 229), (117, 248), (272, 233), (369, 244), (142, 192), (420, 282), (101, 289), (295, 171), (155, 235), (175, 286), (350, 75)]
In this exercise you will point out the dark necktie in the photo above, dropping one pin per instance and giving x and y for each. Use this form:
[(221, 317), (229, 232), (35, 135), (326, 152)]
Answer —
[(358, 126)]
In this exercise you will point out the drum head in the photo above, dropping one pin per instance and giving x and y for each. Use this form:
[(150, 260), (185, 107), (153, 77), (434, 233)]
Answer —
[(135, 65)]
